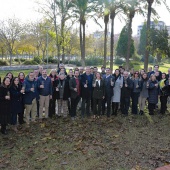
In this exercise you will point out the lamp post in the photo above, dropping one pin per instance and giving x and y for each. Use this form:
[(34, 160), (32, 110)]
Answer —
[(47, 27)]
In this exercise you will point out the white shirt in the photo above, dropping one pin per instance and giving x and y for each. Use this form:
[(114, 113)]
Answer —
[(107, 76), (98, 82)]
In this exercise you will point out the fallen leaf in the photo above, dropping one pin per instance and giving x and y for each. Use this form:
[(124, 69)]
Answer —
[(64, 163), (127, 153), (43, 158)]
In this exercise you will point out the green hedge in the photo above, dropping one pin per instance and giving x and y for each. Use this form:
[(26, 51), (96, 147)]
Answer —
[(4, 63), (30, 62)]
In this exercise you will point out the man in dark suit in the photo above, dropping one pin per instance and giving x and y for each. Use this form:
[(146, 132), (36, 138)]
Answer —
[(157, 72), (109, 84), (86, 91), (74, 84), (126, 93)]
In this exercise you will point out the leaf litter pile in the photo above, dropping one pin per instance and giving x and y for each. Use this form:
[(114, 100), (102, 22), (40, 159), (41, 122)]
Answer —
[(117, 143)]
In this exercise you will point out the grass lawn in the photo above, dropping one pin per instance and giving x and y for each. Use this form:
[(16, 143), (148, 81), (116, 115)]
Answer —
[(119, 143)]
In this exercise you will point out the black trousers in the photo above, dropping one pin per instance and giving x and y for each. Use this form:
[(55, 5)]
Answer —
[(151, 107), (135, 97), (74, 103), (3, 127), (85, 106), (124, 105), (163, 100), (97, 106), (115, 106), (69, 106), (107, 100), (52, 106)]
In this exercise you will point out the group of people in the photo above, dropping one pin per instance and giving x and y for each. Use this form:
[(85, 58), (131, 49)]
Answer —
[(39, 96)]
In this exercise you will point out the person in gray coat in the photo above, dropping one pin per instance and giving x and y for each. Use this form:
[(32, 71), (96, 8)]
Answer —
[(116, 91), (153, 94)]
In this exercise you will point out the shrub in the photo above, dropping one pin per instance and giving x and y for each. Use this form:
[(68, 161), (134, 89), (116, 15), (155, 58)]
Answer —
[(16, 60), (4, 63), (30, 62), (51, 60), (94, 61), (136, 57), (130, 65), (37, 59), (118, 61), (75, 62), (22, 59)]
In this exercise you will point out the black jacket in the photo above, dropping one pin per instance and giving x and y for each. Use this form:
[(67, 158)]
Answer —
[(73, 85), (99, 91), (66, 90), (126, 91)]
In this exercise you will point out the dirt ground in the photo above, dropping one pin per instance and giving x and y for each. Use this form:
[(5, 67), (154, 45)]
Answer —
[(118, 143)]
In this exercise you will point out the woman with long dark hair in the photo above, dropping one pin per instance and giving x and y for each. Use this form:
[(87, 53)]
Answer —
[(135, 92), (116, 91), (5, 103), (52, 105), (153, 93), (143, 92), (10, 76), (98, 95), (16, 102), (164, 92), (21, 77)]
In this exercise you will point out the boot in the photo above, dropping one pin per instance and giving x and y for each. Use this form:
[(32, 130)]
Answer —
[(3, 129), (113, 108), (116, 108)]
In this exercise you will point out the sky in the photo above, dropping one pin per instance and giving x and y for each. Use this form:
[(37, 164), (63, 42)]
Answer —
[(26, 10)]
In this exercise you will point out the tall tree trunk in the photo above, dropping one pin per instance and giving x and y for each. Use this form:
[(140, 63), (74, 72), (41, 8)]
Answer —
[(81, 44), (10, 58), (62, 36), (2, 51), (147, 35), (56, 31), (112, 40), (106, 20), (84, 44), (129, 41)]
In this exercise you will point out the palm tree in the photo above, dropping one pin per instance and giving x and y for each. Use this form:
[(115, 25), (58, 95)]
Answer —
[(115, 7), (106, 21), (63, 8), (84, 9), (149, 11), (132, 7)]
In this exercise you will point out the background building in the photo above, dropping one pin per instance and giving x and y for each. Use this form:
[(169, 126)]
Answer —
[(157, 25)]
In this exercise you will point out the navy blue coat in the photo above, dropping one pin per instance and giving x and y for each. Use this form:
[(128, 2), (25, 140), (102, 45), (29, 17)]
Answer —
[(108, 87), (16, 100), (86, 93), (29, 95), (153, 92)]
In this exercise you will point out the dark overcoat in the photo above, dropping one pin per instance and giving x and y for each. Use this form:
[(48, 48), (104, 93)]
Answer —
[(16, 100), (153, 92), (5, 106)]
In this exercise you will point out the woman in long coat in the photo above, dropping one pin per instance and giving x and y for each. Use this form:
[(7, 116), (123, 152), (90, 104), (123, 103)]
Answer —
[(5, 109), (116, 91), (16, 102), (98, 94), (153, 94)]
